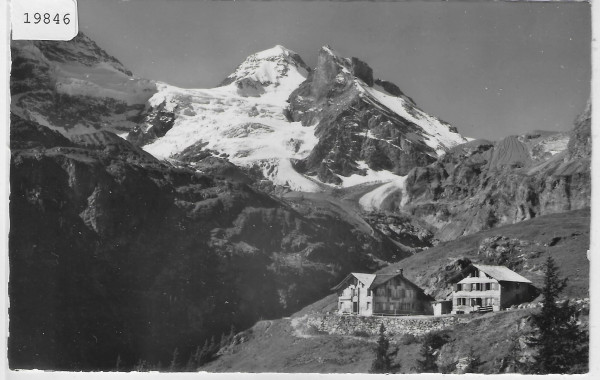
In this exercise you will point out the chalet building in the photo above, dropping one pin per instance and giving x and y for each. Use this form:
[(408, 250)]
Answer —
[(490, 288), (381, 294)]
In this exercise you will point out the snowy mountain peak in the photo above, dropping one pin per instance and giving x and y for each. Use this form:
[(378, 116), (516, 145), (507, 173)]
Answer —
[(275, 51), (277, 69), (327, 49)]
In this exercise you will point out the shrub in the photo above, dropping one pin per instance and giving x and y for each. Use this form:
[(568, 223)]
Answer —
[(361, 334), (432, 342), (408, 339), (314, 330)]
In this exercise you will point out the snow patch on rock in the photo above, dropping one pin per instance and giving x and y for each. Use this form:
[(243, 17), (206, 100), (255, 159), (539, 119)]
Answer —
[(438, 134), (373, 200)]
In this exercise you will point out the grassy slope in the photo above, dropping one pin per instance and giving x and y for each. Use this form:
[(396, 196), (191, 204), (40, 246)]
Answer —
[(572, 227), (273, 347), (276, 346)]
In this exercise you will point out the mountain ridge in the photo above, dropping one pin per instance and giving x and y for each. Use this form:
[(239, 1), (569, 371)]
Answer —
[(165, 119)]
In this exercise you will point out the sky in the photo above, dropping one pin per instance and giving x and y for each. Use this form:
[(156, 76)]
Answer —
[(492, 69)]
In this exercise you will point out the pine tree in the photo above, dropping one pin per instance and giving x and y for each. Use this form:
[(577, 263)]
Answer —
[(231, 336), (213, 348), (512, 361), (429, 351), (173, 365), (193, 360), (383, 362), (561, 346), (204, 355)]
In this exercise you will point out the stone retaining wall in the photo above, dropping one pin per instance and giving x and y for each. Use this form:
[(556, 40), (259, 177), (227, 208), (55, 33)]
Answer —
[(349, 324), (415, 325)]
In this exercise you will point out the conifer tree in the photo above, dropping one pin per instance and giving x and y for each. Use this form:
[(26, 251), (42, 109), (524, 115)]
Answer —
[(173, 365), (512, 361), (212, 349), (194, 359), (383, 362), (561, 346), (204, 355)]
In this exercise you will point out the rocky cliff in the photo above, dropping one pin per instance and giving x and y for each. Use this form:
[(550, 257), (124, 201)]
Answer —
[(480, 184), (363, 123), (75, 87)]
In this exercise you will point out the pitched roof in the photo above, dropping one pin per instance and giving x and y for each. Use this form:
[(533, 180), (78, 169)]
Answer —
[(501, 273), (365, 278), (382, 279), (371, 281)]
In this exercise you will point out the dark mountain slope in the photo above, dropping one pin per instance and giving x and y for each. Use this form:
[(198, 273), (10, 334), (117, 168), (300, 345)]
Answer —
[(114, 253)]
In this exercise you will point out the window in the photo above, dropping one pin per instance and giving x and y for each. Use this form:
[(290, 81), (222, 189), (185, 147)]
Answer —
[(458, 287), (518, 285), (369, 292), (389, 292), (368, 305), (488, 286)]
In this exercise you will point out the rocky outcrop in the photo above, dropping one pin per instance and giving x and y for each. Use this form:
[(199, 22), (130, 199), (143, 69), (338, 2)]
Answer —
[(510, 252), (25, 134), (410, 233), (580, 144), (156, 123)]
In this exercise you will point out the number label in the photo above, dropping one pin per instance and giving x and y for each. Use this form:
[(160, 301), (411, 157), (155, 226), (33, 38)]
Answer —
[(38, 17), (44, 19)]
